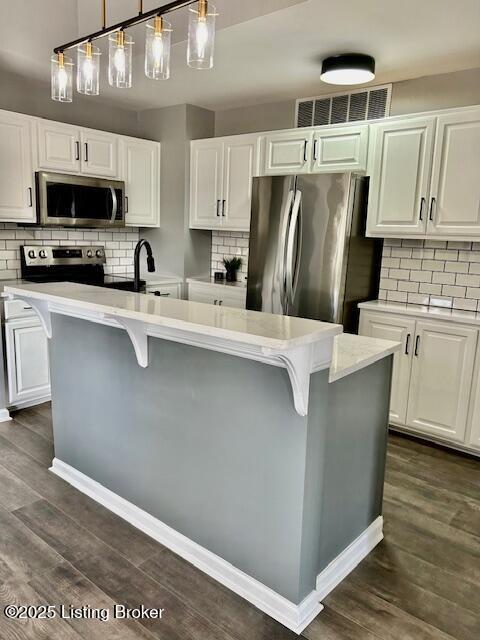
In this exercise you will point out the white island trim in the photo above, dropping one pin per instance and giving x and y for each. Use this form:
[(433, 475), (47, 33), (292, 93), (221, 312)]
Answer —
[(299, 345)]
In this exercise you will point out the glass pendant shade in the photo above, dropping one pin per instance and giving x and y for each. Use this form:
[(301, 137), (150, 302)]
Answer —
[(120, 60), (88, 69), (61, 78), (201, 35), (157, 49)]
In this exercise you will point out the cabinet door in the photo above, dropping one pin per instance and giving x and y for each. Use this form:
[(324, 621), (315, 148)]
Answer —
[(288, 152), (400, 167), (16, 169), (58, 146), (141, 172), (99, 156), (239, 160), (206, 176), (441, 379), (399, 329), (455, 192), (342, 149), (202, 294), (473, 432), (27, 362), (165, 290)]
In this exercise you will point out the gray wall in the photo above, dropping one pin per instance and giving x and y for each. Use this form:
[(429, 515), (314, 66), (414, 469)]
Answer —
[(242, 474), (33, 98), (178, 251), (458, 89)]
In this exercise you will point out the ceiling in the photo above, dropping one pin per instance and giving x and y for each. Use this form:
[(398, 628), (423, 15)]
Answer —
[(265, 51)]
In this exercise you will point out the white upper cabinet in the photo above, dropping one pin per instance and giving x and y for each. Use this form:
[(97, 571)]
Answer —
[(441, 379), (141, 173), (340, 149), (399, 329), (16, 169), (70, 149), (206, 188), (58, 146), (288, 152), (400, 157), (455, 190), (99, 155), (221, 173), (238, 171)]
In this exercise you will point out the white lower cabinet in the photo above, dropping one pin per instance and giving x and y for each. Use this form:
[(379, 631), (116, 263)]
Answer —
[(165, 290), (442, 368), (217, 294), (473, 430), (432, 375), (398, 329), (27, 362)]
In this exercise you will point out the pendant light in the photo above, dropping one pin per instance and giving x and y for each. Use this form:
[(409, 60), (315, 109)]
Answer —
[(348, 69), (88, 69), (157, 49), (201, 35), (120, 60), (61, 78)]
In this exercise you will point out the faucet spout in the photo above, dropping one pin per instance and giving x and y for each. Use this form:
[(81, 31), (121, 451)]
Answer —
[(136, 262)]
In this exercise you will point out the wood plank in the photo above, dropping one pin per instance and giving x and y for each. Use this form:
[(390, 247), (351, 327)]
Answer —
[(467, 518), (35, 421), (65, 585), (435, 451), (125, 583), (18, 593), (22, 553), (132, 543), (419, 602), (211, 599), (379, 616), (14, 493), (36, 446), (330, 625), (60, 532)]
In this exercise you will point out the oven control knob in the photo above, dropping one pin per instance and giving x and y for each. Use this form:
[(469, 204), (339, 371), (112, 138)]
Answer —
[(99, 253), (32, 254), (89, 253), (42, 253)]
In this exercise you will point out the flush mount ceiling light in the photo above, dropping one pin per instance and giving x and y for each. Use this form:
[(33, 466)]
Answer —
[(348, 68), (201, 38)]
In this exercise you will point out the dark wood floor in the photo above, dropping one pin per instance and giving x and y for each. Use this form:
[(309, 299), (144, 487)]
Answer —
[(58, 546)]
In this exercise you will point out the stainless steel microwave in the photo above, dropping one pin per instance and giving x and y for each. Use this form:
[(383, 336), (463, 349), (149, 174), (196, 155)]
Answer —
[(79, 201)]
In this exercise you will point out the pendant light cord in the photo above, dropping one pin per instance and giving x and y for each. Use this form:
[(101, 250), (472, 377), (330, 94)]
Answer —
[(104, 14)]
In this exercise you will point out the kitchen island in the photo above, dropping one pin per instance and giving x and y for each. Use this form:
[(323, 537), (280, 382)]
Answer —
[(253, 445)]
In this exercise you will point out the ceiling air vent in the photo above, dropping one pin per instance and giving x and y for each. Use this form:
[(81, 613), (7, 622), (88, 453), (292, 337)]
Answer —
[(355, 106)]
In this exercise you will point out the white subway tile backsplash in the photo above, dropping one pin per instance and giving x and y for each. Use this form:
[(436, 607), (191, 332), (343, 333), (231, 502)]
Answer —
[(13, 236), (227, 244), (432, 272)]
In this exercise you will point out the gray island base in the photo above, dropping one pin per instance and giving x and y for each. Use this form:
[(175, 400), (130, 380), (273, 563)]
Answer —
[(205, 451)]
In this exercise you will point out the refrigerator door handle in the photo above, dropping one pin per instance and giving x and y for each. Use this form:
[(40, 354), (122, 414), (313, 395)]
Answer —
[(292, 258), (282, 250)]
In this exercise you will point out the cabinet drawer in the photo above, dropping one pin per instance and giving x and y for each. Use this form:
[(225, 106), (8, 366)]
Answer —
[(17, 309)]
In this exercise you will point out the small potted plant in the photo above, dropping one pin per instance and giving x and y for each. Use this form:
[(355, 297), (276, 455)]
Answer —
[(232, 265)]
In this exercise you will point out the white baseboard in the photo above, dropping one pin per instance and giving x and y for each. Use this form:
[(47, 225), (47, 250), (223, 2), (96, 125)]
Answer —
[(295, 617), (5, 415), (349, 558)]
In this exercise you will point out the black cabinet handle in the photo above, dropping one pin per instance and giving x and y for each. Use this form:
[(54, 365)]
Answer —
[(407, 344), (86, 151), (417, 343), (315, 149), (126, 204), (422, 204), (432, 204), (223, 208), (77, 149), (305, 146), (218, 208), (30, 197)]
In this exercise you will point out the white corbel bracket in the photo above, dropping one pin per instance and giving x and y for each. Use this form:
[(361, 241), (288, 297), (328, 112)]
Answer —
[(137, 333), (298, 363), (42, 311)]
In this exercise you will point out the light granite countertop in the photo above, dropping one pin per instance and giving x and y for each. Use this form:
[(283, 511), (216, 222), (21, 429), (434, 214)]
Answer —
[(422, 311), (352, 353), (240, 284)]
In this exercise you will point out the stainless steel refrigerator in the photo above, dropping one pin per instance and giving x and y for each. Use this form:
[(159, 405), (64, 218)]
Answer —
[(309, 256)]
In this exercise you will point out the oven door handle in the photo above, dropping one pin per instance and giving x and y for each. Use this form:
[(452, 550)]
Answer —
[(114, 205)]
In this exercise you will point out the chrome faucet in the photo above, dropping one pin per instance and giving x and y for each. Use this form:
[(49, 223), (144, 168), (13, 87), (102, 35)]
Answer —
[(136, 262)]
